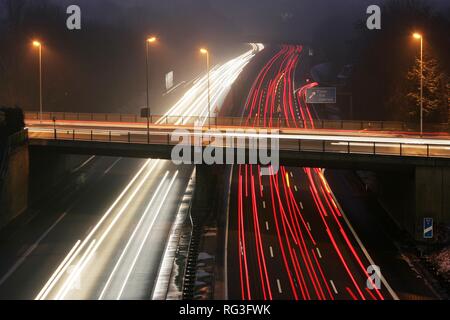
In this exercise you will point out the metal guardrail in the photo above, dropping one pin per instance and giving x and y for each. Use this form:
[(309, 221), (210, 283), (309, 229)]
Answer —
[(237, 121), (285, 144)]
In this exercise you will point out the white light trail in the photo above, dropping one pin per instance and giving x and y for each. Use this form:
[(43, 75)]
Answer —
[(105, 216), (45, 289), (146, 235), (124, 251), (85, 257)]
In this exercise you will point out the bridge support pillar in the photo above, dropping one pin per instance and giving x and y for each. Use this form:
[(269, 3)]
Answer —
[(208, 178), (432, 199)]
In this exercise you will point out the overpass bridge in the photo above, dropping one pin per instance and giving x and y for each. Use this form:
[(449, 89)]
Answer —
[(133, 120), (335, 144)]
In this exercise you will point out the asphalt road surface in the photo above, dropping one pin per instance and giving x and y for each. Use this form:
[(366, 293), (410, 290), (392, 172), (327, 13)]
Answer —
[(287, 233)]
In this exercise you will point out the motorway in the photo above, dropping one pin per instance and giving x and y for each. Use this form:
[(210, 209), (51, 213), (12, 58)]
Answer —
[(287, 232), (105, 235)]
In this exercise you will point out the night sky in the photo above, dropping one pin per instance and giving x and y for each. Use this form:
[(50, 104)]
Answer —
[(108, 52), (249, 17)]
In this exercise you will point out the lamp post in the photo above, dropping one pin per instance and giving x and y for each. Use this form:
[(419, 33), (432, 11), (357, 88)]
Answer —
[(206, 52), (149, 41), (418, 36), (38, 45)]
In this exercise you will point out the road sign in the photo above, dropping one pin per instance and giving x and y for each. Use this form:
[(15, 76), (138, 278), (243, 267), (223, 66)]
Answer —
[(144, 112), (428, 228), (321, 95), (169, 80)]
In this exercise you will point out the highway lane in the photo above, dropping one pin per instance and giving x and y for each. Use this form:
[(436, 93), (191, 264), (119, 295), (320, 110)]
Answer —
[(117, 253), (146, 211), (81, 130), (31, 247), (287, 232), (170, 123), (78, 214)]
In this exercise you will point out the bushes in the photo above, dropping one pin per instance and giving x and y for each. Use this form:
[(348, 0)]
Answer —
[(11, 121)]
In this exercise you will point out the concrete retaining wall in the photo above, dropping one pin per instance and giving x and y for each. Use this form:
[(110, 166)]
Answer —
[(14, 192), (432, 198)]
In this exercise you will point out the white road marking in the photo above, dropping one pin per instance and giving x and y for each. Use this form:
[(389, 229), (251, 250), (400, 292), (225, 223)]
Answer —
[(112, 166), (279, 286), (130, 240), (292, 175), (301, 205), (83, 164), (364, 250), (264, 204), (271, 251), (30, 250), (334, 287), (309, 227), (295, 187), (267, 226), (318, 252)]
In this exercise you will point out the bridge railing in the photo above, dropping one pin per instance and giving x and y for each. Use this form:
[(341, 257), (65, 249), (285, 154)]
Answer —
[(310, 144), (395, 126)]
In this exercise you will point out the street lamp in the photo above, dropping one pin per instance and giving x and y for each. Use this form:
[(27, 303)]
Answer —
[(150, 41), (38, 45), (206, 52), (418, 36)]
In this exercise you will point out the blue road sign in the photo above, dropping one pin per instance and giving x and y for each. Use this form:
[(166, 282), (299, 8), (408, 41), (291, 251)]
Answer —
[(321, 95), (427, 228)]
